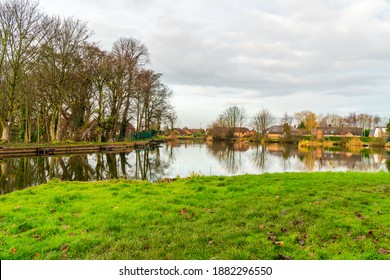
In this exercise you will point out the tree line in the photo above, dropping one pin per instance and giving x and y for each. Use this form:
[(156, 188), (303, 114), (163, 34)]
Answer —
[(56, 85), (234, 117)]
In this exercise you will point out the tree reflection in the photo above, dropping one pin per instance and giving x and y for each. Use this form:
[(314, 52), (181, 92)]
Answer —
[(229, 154), (149, 165), (259, 158)]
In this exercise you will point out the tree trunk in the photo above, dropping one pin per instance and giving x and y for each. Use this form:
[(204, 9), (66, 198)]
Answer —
[(52, 127), (5, 133), (59, 128), (99, 136)]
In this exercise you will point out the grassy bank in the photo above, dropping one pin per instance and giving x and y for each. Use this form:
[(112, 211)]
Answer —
[(271, 216)]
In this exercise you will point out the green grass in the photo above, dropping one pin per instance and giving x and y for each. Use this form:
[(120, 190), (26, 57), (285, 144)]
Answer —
[(271, 216)]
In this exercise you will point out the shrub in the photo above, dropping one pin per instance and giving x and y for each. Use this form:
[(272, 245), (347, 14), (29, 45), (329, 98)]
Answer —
[(354, 142), (378, 141)]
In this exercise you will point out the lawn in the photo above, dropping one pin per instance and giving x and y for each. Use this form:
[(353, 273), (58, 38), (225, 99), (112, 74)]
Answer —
[(296, 216)]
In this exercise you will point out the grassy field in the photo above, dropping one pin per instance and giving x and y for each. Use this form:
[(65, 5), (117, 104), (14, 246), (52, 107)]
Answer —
[(271, 216)]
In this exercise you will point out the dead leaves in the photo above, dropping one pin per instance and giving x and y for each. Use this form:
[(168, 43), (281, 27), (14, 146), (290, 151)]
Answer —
[(383, 251), (12, 251), (272, 237), (284, 257), (64, 248), (186, 214), (302, 239), (279, 243), (37, 256), (359, 215), (369, 235), (37, 237), (302, 242)]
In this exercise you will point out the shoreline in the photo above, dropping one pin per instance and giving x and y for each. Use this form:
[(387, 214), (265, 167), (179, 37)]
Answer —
[(77, 148)]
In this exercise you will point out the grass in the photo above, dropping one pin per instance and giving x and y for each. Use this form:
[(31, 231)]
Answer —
[(272, 216)]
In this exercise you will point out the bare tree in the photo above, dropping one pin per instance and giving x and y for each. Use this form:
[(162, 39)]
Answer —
[(23, 30), (153, 99), (232, 118), (287, 119), (364, 121), (262, 121), (171, 119), (132, 55), (351, 119), (333, 120), (60, 70)]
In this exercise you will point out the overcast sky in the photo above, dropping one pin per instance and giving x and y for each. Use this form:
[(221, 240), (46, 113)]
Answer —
[(327, 56)]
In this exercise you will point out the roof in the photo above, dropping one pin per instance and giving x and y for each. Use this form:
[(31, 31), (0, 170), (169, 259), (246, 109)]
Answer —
[(278, 129), (356, 131), (241, 129)]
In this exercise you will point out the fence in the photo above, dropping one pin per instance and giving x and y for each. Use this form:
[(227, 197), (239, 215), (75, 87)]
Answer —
[(142, 135)]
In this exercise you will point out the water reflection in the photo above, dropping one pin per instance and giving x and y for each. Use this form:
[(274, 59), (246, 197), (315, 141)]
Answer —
[(229, 154), (18, 173), (184, 158)]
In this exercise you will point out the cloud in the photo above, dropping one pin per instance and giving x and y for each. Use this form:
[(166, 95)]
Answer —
[(218, 53)]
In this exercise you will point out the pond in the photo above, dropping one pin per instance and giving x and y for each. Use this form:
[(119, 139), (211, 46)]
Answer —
[(187, 158)]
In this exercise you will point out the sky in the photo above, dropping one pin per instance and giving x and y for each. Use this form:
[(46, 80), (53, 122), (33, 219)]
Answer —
[(326, 56)]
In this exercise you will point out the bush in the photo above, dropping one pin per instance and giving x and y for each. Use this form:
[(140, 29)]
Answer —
[(378, 141), (354, 142)]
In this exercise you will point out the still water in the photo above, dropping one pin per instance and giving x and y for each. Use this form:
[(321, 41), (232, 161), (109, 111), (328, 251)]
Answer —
[(187, 158)]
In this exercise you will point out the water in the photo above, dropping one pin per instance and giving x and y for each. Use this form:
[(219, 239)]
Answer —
[(187, 158)]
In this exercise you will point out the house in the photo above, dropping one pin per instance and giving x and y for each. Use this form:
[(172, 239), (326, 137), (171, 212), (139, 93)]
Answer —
[(193, 131), (197, 131), (277, 132), (178, 131), (187, 131), (129, 129), (378, 132), (327, 131), (241, 132)]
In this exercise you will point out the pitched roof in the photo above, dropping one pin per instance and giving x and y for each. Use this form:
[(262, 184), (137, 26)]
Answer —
[(278, 129), (241, 129), (357, 131)]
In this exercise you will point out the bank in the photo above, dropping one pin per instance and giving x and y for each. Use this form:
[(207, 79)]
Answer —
[(75, 148), (269, 216)]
